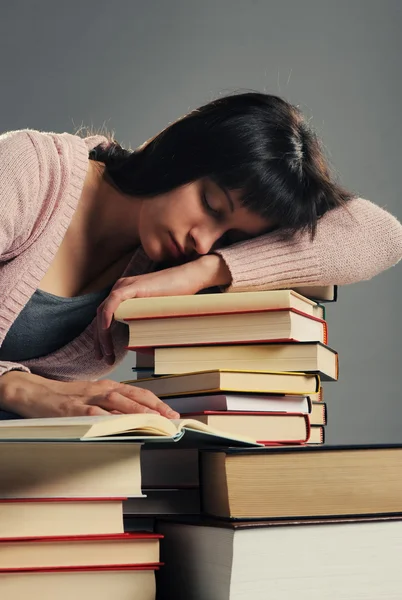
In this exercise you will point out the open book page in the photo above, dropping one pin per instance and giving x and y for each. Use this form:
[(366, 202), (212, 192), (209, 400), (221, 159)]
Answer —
[(87, 427), (193, 424), (135, 427)]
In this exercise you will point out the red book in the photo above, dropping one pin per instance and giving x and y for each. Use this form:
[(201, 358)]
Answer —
[(271, 325), (79, 552), (265, 427), (97, 569), (103, 583)]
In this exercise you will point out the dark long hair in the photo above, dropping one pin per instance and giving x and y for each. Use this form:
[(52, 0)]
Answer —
[(256, 143)]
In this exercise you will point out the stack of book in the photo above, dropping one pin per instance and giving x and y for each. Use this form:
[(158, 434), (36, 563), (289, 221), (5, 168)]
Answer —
[(64, 483), (310, 522), (295, 517), (249, 363), (61, 515)]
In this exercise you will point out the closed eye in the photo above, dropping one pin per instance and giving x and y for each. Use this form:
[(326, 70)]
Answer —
[(210, 209)]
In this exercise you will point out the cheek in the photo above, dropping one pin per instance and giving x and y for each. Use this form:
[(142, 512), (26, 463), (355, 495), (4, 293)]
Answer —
[(152, 213), (178, 209), (184, 214)]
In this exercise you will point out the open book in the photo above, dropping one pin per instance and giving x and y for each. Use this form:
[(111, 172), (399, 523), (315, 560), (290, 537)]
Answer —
[(140, 427)]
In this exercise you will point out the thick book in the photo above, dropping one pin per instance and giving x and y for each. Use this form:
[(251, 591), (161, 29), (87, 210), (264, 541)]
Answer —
[(266, 428), (222, 380), (312, 559), (302, 481), (213, 304), (261, 403), (79, 551), (271, 325), (307, 357), (139, 427), (103, 583), (24, 518), (59, 469)]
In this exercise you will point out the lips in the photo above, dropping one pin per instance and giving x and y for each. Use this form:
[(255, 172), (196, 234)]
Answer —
[(175, 249)]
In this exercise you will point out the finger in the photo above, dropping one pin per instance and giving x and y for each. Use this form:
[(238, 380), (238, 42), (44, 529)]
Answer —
[(92, 411), (79, 409), (147, 398), (104, 338), (116, 403), (121, 291), (97, 346)]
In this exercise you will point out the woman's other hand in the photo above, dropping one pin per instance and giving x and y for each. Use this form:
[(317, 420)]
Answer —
[(183, 280), (33, 396)]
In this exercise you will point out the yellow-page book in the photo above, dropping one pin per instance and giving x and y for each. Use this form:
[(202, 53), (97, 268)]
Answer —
[(140, 427), (212, 304), (257, 382)]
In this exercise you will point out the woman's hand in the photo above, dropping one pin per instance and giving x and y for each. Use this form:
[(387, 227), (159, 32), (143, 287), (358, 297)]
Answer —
[(187, 279), (33, 396)]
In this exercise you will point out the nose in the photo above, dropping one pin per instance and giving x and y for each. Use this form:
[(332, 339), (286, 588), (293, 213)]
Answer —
[(204, 239)]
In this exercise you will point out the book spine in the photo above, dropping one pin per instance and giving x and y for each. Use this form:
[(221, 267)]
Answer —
[(126, 567), (82, 538), (216, 314), (58, 500), (291, 442)]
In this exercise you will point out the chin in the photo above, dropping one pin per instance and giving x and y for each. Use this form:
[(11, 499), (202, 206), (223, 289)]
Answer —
[(152, 249)]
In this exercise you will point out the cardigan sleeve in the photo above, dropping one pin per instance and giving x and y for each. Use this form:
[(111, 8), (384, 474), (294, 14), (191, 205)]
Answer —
[(352, 243), (33, 175), (19, 191)]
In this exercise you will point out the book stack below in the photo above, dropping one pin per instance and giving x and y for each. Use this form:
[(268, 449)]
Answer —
[(307, 521), (66, 481), (61, 516), (292, 517)]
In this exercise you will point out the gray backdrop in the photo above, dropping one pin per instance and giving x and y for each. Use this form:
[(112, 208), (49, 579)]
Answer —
[(135, 66)]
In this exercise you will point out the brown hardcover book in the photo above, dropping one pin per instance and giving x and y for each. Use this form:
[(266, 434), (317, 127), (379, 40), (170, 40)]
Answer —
[(307, 357), (256, 382), (271, 325), (302, 481)]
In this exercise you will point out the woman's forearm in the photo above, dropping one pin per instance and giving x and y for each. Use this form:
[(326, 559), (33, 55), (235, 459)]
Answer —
[(213, 271), (351, 244)]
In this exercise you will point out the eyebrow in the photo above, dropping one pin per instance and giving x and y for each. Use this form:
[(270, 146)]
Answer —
[(229, 199)]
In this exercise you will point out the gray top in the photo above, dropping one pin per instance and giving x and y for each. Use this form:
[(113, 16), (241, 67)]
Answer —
[(47, 323)]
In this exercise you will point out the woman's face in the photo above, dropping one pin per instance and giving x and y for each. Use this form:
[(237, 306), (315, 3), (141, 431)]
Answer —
[(192, 219)]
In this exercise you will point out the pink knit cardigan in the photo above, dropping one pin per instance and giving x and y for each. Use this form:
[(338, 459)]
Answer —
[(41, 179)]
